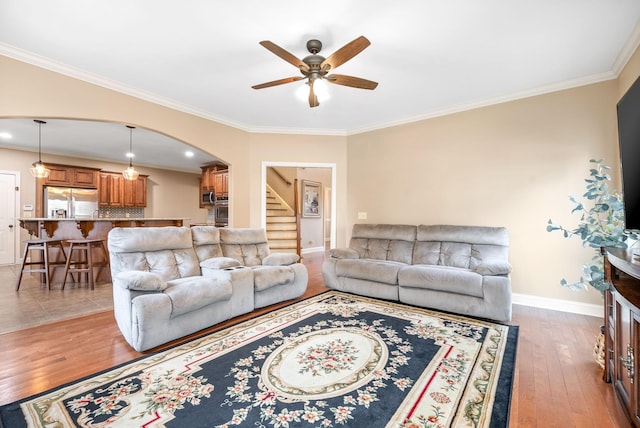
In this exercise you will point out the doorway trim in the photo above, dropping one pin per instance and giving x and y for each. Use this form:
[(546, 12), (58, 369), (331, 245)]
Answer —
[(16, 214), (263, 191)]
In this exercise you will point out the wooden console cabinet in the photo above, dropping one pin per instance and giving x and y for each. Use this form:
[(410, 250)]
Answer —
[(622, 328)]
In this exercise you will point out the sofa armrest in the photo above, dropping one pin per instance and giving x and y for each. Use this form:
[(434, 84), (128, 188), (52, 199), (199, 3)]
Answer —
[(280, 259), (494, 267), (343, 253), (220, 263), (140, 280)]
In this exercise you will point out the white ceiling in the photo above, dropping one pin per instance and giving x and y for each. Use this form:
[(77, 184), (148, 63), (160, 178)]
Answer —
[(430, 57)]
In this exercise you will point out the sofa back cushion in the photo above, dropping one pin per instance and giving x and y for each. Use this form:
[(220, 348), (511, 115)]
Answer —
[(206, 241), (248, 246), (384, 241), (460, 246), (165, 251)]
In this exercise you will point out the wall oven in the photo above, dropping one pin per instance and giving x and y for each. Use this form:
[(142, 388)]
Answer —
[(221, 210)]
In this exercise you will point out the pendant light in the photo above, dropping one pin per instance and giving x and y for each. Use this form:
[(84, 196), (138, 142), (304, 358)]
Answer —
[(39, 170), (130, 173)]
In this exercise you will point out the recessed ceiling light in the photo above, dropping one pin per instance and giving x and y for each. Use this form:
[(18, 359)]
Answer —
[(188, 154), (5, 135)]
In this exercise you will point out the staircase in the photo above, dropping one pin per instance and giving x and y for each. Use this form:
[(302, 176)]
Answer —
[(282, 233)]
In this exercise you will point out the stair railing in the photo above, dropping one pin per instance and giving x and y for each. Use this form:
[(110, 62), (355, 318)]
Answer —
[(296, 202), (281, 177)]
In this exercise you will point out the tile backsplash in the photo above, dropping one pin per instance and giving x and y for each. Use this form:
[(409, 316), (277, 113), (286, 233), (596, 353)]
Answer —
[(116, 212)]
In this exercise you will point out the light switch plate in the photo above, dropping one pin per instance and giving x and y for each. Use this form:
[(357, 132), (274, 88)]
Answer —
[(362, 215)]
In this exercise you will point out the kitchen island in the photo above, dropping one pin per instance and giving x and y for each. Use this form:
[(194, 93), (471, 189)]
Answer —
[(86, 228)]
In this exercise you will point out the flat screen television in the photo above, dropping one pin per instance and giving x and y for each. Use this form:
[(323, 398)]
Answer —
[(629, 140)]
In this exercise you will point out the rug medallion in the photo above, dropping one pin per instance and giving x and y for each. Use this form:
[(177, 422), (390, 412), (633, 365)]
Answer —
[(329, 361)]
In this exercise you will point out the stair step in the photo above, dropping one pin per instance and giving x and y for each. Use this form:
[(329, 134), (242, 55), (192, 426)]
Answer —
[(281, 234), (282, 243), (281, 219), (281, 226)]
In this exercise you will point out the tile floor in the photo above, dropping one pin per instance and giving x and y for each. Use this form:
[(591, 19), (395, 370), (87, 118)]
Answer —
[(34, 304)]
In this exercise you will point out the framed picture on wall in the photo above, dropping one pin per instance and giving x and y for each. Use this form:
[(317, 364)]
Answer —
[(311, 199)]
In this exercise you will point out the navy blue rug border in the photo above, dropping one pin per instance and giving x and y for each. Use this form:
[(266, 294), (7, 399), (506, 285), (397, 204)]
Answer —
[(11, 413)]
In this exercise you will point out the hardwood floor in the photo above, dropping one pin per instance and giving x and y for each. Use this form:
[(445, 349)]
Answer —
[(557, 382)]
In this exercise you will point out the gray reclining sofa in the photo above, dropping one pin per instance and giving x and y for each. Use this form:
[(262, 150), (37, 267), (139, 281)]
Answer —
[(169, 282), (459, 269)]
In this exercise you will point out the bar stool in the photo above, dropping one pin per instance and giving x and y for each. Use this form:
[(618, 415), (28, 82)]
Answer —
[(44, 246), (84, 261)]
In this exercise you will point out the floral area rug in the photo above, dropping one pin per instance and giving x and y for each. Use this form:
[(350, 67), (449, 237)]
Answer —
[(329, 361)]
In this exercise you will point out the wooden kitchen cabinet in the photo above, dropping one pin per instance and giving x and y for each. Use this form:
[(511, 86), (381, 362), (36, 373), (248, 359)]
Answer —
[(214, 178), (111, 190), (221, 182), (622, 329), (210, 175), (135, 192), (115, 191), (71, 176)]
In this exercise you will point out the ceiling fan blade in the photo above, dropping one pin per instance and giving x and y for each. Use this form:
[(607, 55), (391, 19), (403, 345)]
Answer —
[(346, 52), (278, 82), (285, 55), (354, 82)]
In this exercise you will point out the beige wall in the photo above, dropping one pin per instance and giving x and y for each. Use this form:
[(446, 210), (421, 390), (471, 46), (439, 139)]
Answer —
[(512, 164)]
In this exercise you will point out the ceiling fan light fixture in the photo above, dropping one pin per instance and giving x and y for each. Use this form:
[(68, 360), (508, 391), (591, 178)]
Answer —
[(39, 170), (130, 173), (320, 88)]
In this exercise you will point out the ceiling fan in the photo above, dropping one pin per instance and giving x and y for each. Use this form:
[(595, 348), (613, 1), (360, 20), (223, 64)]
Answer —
[(315, 66)]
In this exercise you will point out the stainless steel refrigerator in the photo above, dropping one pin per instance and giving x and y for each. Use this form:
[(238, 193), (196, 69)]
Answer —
[(67, 202)]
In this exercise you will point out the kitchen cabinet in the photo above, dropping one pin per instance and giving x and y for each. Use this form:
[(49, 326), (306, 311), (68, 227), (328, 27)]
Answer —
[(110, 190), (622, 329), (221, 182), (71, 176), (214, 178), (115, 191), (135, 192)]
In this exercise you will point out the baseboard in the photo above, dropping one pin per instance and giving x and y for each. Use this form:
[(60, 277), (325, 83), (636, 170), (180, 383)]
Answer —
[(589, 309), (312, 250)]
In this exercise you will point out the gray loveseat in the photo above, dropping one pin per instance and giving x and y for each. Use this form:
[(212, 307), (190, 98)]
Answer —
[(169, 282), (459, 269)]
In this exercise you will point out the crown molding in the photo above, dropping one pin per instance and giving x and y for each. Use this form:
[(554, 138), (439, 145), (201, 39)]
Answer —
[(627, 51)]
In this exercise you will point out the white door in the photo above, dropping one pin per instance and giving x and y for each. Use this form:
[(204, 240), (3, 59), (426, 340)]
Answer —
[(8, 223)]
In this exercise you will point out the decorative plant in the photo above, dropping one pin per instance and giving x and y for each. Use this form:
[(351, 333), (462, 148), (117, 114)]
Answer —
[(601, 225)]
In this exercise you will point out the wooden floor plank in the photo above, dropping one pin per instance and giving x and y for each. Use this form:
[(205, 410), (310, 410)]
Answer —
[(557, 382)]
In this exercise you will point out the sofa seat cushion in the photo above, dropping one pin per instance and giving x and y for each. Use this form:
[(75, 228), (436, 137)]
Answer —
[(265, 277), (368, 269), (195, 292), (442, 278)]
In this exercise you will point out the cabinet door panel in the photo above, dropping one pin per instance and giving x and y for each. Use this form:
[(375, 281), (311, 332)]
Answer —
[(59, 176), (635, 395), (84, 178), (115, 190), (622, 381)]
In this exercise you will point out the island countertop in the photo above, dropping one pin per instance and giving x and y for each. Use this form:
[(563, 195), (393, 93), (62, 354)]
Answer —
[(63, 228)]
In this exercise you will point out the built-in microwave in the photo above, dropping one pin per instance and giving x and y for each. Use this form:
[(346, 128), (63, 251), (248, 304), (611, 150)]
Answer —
[(208, 198)]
